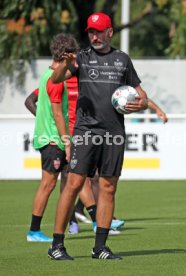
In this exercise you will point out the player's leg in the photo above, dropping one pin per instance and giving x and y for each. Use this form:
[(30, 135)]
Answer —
[(88, 200), (79, 167), (105, 210), (73, 224), (50, 171), (79, 212), (63, 178), (66, 201), (95, 185), (109, 168), (64, 210), (79, 207), (116, 223), (47, 184)]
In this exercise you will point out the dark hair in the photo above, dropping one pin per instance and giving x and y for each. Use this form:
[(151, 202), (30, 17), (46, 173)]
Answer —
[(63, 43)]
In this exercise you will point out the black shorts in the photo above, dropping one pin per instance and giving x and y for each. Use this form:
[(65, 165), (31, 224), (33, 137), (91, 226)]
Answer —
[(53, 159), (96, 152)]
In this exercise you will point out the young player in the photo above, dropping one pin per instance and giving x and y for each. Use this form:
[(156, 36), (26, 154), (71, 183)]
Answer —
[(51, 124)]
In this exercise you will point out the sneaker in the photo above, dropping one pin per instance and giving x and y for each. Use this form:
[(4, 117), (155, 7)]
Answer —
[(59, 253), (73, 228), (116, 223), (105, 253), (81, 217), (94, 226), (37, 236), (112, 231)]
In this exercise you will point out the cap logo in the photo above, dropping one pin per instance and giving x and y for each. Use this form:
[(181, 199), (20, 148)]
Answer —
[(95, 18)]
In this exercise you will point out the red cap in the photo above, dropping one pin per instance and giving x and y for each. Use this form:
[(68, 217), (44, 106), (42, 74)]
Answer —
[(99, 21)]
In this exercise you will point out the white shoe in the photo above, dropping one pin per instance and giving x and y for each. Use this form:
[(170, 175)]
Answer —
[(82, 218), (114, 232), (73, 228), (111, 231)]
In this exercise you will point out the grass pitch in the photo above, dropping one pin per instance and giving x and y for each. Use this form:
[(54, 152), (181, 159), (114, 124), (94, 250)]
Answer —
[(152, 242)]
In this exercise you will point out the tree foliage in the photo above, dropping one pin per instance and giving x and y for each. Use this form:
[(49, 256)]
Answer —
[(163, 32), (177, 47), (157, 28), (26, 30)]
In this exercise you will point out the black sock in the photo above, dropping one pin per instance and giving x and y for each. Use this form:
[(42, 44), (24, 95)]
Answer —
[(101, 237), (58, 239), (36, 222), (73, 218), (79, 206), (92, 212)]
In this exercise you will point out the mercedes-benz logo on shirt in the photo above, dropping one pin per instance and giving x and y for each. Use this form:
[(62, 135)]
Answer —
[(93, 74)]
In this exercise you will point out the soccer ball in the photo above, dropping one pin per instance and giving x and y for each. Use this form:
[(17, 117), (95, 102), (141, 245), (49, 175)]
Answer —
[(121, 96)]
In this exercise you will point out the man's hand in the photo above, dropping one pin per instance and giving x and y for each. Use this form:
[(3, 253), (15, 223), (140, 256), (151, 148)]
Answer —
[(68, 58), (138, 105), (61, 73), (162, 116)]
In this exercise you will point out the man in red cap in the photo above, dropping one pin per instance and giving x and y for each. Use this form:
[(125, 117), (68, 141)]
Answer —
[(99, 21), (99, 133)]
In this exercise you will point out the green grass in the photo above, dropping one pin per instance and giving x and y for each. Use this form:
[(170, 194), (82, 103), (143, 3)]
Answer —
[(153, 241)]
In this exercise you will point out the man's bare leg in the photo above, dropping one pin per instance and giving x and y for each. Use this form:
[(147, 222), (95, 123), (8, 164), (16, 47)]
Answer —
[(86, 194), (66, 201), (47, 184), (105, 209)]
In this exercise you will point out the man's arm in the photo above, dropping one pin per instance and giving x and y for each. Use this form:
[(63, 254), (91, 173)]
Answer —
[(160, 113), (141, 102), (61, 126), (61, 73), (30, 103)]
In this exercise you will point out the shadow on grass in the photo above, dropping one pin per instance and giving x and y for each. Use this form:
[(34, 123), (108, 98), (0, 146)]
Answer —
[(152, 252), (142, 219), (142, 253), (131, 228), (77, 237), (152, 219)]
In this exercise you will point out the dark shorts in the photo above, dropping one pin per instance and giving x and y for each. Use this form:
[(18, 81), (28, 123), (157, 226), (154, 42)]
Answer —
[(96, 153), (53, 159)]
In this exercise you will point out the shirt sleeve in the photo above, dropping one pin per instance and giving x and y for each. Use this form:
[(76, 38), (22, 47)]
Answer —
[(55, 91), (132, 77), (73, 70), (36, 91)]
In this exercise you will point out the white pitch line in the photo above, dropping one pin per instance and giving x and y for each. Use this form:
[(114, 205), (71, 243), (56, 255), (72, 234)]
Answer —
[(127, 224), (22, 225), (156, 223)]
